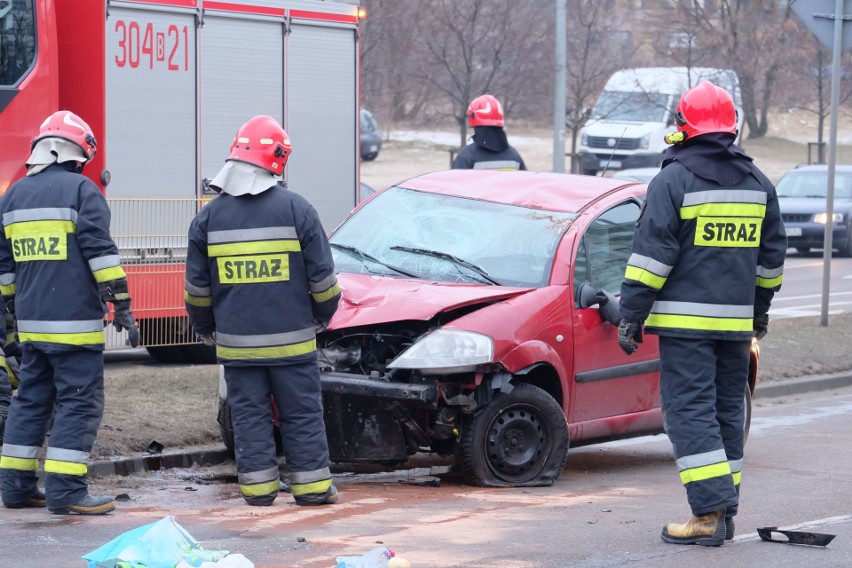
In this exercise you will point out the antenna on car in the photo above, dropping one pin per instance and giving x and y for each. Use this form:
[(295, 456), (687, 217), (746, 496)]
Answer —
[(614, 148)]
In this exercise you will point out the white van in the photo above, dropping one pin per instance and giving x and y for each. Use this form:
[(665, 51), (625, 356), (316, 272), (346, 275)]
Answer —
[(636, 110)]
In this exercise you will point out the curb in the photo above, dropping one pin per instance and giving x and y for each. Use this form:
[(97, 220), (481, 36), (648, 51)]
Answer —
[(802, 385), (125, 466)]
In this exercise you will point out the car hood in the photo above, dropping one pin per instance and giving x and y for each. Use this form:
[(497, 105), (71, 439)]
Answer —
[(369, 300), (811, 205), (621, 129)]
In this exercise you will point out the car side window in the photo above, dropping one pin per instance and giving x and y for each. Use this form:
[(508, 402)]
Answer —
[(605, 248)]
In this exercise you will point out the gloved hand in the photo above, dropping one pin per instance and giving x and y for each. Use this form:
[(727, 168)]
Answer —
[(761, 325), (123, 319), (208, 339), (629, 335)]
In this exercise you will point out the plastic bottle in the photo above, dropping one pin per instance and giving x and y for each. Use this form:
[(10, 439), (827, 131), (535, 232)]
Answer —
[(376, 558)]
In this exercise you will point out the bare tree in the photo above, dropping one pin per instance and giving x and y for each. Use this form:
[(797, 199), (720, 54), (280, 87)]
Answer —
[(596, 48), (388, 62), (810, 84), (478, 46), (749, 36)]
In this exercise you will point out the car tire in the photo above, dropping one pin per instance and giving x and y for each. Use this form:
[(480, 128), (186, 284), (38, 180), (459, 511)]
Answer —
[(369, 157), (518, 439), (845, 250), (225, 419)]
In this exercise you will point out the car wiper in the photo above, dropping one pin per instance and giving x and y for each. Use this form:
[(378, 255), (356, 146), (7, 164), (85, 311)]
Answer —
[(363, 255), (460, 261)]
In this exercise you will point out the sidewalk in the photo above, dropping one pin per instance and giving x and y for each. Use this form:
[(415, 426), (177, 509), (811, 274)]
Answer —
[(215, 455)]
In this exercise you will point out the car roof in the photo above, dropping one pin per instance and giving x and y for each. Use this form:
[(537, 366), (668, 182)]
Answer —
[(845, 168), (538, 190)]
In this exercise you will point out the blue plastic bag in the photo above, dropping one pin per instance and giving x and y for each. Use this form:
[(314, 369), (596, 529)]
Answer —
[(157, 545)]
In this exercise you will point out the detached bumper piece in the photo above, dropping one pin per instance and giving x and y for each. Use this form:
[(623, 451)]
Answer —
[(795, 537)]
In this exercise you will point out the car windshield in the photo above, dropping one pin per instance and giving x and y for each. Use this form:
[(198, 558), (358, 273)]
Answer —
[(446, 238), (632, 106), (368, 123), (814, 184)]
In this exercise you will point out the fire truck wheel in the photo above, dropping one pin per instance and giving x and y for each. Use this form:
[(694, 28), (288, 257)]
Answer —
[(518, 439), (226, 429)]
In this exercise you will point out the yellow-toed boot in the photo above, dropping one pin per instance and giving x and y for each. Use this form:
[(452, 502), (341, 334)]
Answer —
[(706, 530)]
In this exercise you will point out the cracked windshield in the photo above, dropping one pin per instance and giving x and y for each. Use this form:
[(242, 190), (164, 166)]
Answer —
[(438, 237)]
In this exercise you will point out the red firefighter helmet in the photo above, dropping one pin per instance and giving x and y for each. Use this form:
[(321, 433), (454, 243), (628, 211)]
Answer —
[(706, 108), (65, 124), (262, 142), (485, 111)]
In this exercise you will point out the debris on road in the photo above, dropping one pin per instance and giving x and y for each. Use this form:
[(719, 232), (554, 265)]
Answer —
[(795, 537), (161, 544)]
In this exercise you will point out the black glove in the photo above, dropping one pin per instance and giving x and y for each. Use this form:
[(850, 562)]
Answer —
[(208, 339), (761, 325), (123, 319), (629, 335)]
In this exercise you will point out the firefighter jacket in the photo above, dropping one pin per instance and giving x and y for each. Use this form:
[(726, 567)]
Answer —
[(55, 253), (490, 150), (259, 272), (706, 257)]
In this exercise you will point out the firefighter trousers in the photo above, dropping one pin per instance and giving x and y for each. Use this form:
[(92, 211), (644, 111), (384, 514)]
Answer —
[(297, 393), (703, 384), (72, 382)]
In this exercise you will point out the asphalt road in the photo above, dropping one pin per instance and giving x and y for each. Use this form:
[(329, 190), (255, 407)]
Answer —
[(801, 293), (606, 509)]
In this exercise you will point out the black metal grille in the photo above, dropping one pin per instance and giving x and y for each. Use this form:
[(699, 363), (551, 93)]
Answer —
[(796, 217), (620, 143)]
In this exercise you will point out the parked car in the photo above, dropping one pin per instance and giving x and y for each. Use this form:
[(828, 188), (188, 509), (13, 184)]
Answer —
[(371, 138), (643, 175), (479, 319), (802, 198)]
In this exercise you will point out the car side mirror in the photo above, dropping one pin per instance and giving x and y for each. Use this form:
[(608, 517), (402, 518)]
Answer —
[(606, 302)]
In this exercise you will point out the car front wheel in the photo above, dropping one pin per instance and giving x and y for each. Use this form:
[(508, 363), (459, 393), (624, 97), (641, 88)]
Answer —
[(519, 439), (845, 249)]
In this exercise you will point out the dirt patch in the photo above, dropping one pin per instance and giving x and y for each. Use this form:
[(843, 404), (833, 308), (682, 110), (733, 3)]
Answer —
[(796, 347), (174, 405)]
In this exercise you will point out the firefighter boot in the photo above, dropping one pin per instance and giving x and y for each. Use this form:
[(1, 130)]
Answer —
[(88, 505), (729, 527), (326, 498), (37, 499), (706, 530)]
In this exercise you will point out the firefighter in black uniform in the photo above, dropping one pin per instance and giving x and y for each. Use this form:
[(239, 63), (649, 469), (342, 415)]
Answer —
[(58, 268), (708, 256), (259, 282), (490, 149)]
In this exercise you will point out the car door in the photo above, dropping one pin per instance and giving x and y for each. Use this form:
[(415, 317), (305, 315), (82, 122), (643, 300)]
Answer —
[(607, 382)]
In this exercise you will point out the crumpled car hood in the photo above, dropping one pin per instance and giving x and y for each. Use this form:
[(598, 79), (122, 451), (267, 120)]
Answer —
[(369, 300)]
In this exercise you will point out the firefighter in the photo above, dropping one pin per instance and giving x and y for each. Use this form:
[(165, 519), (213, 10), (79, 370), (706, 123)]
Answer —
[(260, 282), (708, 256), (490, 149), (58, 268)]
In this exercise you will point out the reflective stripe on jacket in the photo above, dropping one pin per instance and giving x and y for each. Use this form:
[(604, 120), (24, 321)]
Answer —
[(474, 157), (260, 274), (706, 259), (55, 248)]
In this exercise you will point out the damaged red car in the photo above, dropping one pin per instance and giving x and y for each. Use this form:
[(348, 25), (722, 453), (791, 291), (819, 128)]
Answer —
[(478, 319)]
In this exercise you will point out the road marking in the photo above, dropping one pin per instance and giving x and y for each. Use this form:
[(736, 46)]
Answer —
[(808, 296)]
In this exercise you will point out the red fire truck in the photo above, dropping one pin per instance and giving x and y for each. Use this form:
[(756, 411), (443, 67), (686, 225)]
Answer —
[(165, 84)]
